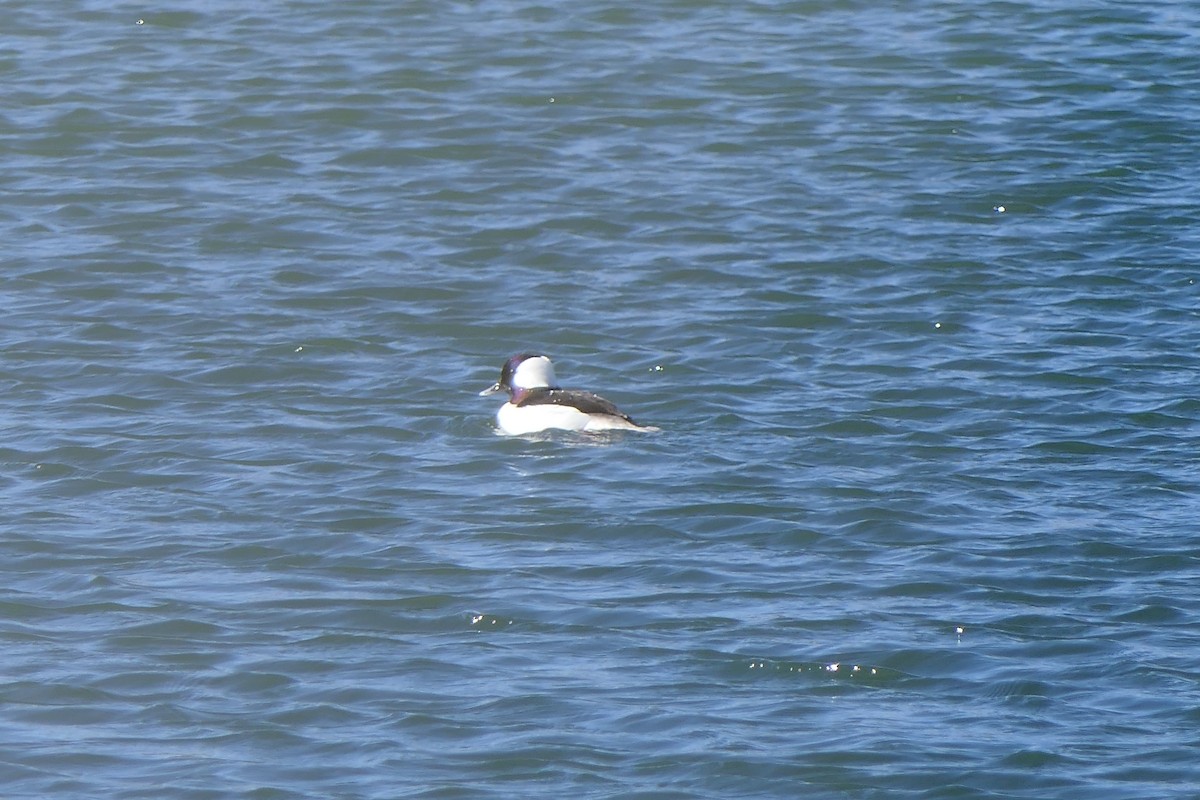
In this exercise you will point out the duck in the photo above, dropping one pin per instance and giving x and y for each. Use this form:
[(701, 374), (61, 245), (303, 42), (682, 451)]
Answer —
[(537, 403)]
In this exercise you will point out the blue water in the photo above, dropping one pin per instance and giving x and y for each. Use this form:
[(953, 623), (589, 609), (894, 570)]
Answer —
[(911, 293)]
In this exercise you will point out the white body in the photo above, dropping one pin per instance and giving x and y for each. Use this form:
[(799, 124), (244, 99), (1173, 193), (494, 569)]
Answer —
[(518, 420)]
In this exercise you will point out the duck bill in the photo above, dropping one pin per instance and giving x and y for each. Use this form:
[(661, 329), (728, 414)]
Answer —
[(495, 387)]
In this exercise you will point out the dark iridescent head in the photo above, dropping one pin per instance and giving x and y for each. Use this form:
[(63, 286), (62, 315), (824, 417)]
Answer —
[(524, 371)]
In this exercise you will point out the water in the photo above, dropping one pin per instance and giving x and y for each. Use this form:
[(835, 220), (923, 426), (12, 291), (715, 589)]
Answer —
[(911, 294)]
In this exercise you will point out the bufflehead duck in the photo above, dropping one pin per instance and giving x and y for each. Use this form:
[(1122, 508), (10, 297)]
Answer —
[(536, 403)]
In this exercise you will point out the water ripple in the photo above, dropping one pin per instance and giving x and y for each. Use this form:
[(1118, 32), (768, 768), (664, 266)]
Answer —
[(908, 294)]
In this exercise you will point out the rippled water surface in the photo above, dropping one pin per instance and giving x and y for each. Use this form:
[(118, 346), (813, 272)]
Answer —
[(912, 295)]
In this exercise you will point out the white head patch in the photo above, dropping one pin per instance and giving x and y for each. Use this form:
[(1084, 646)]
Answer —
[(534, 373)]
